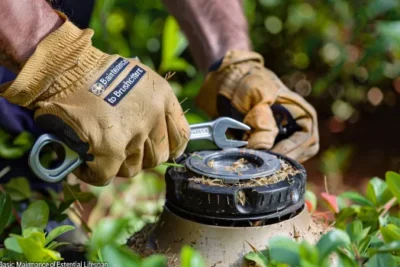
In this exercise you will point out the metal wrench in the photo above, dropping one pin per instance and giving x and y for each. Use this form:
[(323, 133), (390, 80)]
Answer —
[(213, 131)]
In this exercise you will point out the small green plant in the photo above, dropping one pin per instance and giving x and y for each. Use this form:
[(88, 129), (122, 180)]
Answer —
[(33, 245), (366, 233)]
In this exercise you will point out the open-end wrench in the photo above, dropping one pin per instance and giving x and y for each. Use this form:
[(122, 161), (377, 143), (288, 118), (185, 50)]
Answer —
[(213, 131)]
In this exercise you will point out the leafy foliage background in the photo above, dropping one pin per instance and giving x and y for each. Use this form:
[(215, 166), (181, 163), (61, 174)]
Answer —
[(344, 52), (344, 56)]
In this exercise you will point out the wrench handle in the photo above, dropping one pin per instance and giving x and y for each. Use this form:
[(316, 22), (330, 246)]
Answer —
[(70, 162), (201, 131)]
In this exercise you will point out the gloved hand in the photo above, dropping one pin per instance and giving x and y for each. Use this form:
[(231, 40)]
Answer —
[(251, 90), (117, 113)]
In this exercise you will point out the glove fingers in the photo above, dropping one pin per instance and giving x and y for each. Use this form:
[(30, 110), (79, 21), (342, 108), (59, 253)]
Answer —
[(178, 128), (156, 147), (297, 147), (303, 144), (264, 129), (93, 172)]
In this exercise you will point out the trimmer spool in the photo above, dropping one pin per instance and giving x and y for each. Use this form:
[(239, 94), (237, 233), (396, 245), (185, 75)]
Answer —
[(215, 187), (225, 203)]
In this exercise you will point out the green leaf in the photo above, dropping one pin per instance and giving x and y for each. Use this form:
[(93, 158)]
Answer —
[(191, 258), (394, 220), (53, 245), (284, 250), (5, 211), (36, 234), (355, 231), (259, 258), (36, 215), (364, 244), (381, 260), (345, 214), (310, 196), (345, 260), (390, 30), (107, 232), (378, 192), (57, 232), (173, 42), (308, 254), (18, 188), (118, 256), (11, 243), (35, 252), (390, 233), (14, 149), (357, 198), (393, 182), (331, 242), (390, 247), (73, 192), (155, 261)]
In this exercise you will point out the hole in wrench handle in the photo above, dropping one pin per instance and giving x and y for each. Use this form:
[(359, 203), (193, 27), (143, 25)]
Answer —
[(71, 160)]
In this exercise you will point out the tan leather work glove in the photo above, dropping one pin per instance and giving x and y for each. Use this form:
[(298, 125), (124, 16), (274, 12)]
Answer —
[(117, 113), (257, 94)]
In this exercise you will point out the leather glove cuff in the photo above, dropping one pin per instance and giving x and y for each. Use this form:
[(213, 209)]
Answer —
[(237, 56), (61, 59)]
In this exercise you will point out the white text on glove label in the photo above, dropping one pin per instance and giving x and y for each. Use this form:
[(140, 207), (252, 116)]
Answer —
[(109, 76), (122, 89)]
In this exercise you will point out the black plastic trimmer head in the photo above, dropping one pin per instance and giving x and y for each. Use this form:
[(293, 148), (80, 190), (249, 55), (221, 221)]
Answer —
[(236, 187), (226, 203)]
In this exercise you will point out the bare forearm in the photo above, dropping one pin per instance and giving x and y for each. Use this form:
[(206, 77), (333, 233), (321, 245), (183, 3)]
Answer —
[(212, 27), (23, 24)]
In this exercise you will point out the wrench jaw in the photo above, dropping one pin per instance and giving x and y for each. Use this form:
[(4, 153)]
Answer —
[(219, 133)]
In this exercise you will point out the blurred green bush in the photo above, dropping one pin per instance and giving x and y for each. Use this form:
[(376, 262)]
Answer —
[(346, 52)]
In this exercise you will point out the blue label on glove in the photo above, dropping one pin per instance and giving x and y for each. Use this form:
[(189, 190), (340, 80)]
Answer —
[(109, 76), (125, 86)]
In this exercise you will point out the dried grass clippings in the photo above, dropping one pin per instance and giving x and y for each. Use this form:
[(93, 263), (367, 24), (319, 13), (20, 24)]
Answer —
[(283, 173)]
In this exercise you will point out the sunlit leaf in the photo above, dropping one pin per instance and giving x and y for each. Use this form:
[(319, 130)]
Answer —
[(331, 201), (35, 252), (36, 215), (380, 260), (107, 232), (357, 198), (390, 233), (18, 188), (11, 243), (393, 182), (15, 148), (378, 192), (57, 232), (191, 258), (117, 256), (259, 258)]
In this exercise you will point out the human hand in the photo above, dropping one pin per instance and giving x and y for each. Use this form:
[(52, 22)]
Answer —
[(251, 90), (118, 114)]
